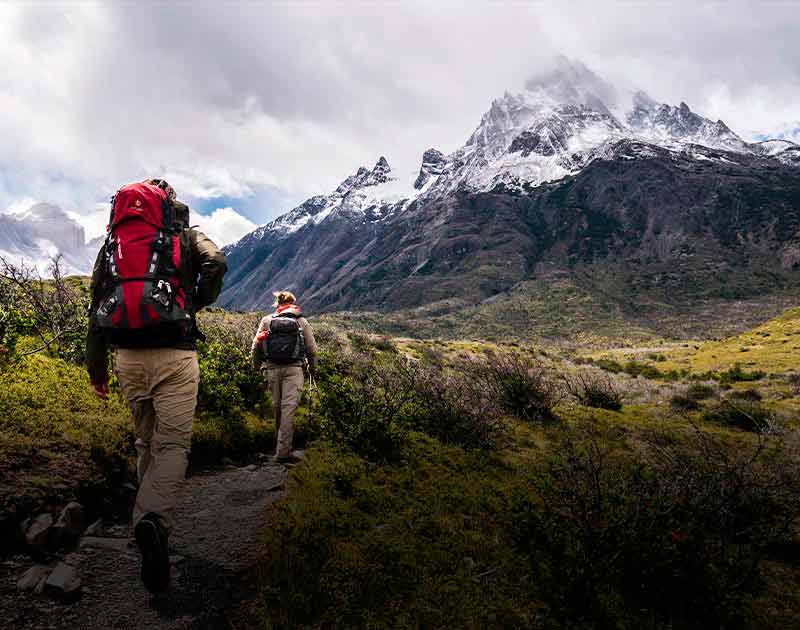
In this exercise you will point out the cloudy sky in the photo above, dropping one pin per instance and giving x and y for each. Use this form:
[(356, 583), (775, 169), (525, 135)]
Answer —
[(250, 108)]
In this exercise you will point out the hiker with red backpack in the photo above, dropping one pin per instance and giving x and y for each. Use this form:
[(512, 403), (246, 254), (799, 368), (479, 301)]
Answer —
[(284, 344), (152, 275)]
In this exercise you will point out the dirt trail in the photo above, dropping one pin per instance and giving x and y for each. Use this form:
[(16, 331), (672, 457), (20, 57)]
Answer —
[(221, 517)]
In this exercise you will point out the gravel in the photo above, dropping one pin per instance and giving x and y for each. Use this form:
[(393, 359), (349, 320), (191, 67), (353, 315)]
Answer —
[(221, 517)]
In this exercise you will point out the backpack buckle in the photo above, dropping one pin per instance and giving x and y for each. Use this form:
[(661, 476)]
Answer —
[(162, 294)]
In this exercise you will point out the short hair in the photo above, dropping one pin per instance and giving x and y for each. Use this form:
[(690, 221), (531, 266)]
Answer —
[(284, 297)]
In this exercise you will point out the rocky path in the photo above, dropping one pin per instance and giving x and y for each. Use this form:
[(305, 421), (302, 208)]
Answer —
[(221, 517)]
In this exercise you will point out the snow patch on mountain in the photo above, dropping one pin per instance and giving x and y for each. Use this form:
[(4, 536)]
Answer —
[(40, 233), (560, 123)]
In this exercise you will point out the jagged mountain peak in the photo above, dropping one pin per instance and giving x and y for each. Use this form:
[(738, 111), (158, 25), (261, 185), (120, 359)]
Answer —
[(365, 177), (569, 81), (560, 123)]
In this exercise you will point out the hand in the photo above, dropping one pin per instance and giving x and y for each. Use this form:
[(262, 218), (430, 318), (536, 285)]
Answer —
[(101, 390)]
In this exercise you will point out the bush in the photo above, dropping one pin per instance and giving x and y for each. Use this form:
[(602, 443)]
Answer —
[(364, 401), (228, 383), (750, 394), (610, 365), (455, 408), (678, 531), (53, 313), (634, 368), (737, 374), (520, 386), (794, 382), (744, 414), (681, 402), (700, 391), (594, 391)]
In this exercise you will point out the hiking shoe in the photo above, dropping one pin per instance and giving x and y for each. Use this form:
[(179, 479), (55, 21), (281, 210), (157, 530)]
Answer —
[(152, 541)]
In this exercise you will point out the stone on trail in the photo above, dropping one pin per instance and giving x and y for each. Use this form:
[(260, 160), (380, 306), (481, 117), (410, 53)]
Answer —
[(69, 526), (251, 468), (95, 529), (32, 577), (63, 582), (37, 531)]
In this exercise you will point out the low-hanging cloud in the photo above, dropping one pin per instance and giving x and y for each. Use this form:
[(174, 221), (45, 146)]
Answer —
[(224, 225), (228, 100)]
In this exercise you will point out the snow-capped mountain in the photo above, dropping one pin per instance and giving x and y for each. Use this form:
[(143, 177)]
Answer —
[(42, 232), (556, 127), (383, 239)]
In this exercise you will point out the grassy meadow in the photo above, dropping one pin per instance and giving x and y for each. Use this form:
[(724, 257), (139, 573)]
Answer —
[(513, 482)]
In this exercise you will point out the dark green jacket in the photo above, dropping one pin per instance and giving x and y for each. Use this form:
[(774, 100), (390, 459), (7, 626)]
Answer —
[(206, 269)]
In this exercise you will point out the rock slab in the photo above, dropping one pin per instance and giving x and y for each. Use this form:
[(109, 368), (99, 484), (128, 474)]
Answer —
[(37, 531), (63, 582), (32, 577)]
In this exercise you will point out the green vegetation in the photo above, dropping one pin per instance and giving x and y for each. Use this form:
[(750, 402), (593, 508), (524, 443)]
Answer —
[(465, 483), (597, 519)]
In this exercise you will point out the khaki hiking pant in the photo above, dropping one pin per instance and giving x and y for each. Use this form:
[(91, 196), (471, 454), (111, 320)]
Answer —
[(285, 385), (160, 385)]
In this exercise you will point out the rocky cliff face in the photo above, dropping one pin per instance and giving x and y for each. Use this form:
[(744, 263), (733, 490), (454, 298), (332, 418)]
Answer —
[(564, 176)]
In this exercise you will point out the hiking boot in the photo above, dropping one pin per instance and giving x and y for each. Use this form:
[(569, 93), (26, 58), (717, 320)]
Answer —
[(151, 537)]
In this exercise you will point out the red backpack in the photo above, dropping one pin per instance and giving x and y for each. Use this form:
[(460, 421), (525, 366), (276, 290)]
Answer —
[(145, 265)]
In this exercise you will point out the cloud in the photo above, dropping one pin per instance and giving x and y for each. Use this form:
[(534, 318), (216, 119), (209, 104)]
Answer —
[(224, 225), (232, 101)]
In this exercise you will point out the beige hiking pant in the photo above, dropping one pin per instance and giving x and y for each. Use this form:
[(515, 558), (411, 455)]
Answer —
[(160, 385), (285, 385)]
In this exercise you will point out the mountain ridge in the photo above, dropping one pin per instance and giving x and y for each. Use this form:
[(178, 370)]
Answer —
[(382, 244)]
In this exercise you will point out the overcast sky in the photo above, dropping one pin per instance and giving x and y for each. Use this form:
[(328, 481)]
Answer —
[(251, 108)]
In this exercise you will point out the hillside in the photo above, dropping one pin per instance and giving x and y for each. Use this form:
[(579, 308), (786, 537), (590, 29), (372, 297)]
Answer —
[(650, 208)]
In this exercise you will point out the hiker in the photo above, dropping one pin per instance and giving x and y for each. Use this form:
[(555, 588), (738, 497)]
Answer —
[(284, 344), (152, 275)]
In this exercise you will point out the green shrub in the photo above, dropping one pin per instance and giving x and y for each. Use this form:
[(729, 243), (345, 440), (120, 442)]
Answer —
[(228, 383), (679, 532), (749, 394), (743, 414), (363, 403), (700, 391), (681, 402), (54, 431), (455, 408), (520, 385), (610, 365), (593, 391), (793, 380), (737, 374), (635, 368)]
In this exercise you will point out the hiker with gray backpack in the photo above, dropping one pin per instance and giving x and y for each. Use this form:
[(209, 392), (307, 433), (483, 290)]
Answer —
[(283, 346)]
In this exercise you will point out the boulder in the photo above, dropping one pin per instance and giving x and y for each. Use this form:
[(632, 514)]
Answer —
[(68, 527), (37, 531), (63, 582), (32, 577)]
